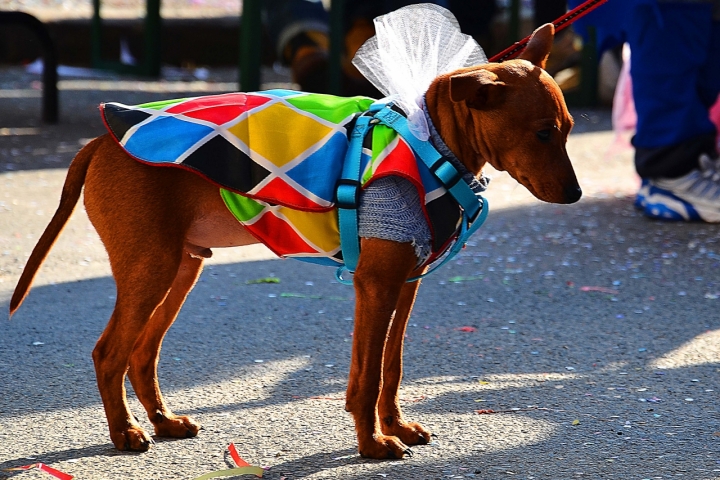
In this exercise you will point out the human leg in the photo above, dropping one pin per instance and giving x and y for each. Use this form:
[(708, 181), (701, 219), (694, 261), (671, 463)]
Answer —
[(674, 75)]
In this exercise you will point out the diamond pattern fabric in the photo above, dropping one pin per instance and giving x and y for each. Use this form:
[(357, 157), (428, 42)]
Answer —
[(246, 142), (277, 156)]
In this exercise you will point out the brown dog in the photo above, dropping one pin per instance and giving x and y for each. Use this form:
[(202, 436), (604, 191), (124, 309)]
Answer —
[(158, 225)]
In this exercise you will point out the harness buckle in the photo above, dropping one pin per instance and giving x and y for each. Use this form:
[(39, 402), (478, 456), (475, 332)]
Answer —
[(347, 193), (446, 173), (482, 206)]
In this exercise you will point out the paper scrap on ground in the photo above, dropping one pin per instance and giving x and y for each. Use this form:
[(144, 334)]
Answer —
[(244, 468), (263, 280), (466, 329), (599, 289), (44, 468)]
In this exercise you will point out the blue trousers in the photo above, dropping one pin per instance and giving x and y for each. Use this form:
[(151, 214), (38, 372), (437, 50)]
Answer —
[(675, 71)]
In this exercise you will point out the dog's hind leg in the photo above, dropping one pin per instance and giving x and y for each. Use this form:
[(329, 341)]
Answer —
[(142, 215), (146, 353), (379, 278), (143, 282), (391, 417)]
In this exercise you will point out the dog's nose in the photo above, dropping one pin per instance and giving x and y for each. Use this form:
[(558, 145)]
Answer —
[(573, 194)]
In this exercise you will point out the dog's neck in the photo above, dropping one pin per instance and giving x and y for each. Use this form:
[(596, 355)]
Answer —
[(455, 126), (477, 183)]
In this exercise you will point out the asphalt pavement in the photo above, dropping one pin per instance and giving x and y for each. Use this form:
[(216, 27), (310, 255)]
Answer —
[(592, 332)]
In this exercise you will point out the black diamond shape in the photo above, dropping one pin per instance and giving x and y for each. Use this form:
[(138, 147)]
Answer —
[(226, 165), (120, 119), (444, 214)]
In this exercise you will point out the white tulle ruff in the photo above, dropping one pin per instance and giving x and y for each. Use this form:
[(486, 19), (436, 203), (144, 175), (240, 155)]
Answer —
[(411, 47)]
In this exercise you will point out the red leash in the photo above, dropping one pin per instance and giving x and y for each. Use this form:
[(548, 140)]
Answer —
[(565, 21)]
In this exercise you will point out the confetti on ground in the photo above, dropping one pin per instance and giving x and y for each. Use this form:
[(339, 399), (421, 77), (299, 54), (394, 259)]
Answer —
[(345, 457), (489, 411), (299, 295), (333, 298), (460, 279), (599, 289), (43, 468), (419, 398), (466, 329), (263, 280), (244, 468)]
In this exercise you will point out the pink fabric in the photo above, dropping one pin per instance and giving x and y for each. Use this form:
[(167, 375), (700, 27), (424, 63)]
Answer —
[(715, 117), (624, 117)]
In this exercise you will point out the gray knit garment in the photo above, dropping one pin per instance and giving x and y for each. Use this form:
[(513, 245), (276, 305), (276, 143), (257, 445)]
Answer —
[(390, 209)]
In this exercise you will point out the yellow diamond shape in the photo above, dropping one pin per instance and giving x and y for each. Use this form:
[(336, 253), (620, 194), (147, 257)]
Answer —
[(320, 228), (279, 133)]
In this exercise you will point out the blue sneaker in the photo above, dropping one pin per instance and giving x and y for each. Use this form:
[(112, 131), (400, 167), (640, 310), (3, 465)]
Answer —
[(693, 197), (642, 194)]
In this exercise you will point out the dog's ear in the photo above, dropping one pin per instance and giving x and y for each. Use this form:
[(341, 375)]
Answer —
[(480, 89), (538, 48)]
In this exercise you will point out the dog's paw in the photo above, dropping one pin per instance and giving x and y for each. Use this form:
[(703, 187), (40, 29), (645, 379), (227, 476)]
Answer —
[(133, 439), (384, 446), (410, 433), (176, 426)]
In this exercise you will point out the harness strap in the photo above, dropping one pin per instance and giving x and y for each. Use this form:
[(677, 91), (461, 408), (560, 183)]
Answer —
[(474, 206), (348, 195), (466, 231), (441, 168), (348, 191)]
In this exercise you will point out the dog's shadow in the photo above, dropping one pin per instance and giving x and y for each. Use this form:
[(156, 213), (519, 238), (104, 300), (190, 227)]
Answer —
[(301, 467), (71, 454)]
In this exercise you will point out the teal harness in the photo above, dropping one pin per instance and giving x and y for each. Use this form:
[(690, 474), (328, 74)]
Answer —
[(474, 206)]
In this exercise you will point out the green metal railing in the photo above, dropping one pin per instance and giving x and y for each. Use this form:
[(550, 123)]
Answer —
[(513, 31), (150, 63), (250, 45), (251, 36), (337, 42)]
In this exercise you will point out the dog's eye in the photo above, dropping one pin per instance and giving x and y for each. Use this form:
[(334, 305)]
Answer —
[(543, 135)]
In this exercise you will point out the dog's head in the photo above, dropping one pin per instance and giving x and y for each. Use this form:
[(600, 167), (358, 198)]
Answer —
[(513, 116)]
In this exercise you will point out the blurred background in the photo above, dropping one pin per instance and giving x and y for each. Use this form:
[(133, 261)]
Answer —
[(192, 39)]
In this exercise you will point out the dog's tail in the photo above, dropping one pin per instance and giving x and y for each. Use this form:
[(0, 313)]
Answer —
[(70, 194)]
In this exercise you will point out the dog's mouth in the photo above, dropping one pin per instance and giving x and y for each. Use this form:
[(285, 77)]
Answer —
[(561, 195)]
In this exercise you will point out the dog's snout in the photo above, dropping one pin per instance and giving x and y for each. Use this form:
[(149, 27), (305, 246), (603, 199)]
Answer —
[(573, 194)]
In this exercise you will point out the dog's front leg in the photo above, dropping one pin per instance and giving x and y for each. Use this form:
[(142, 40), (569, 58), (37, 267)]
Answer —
[(379, 278), (391, 417)]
